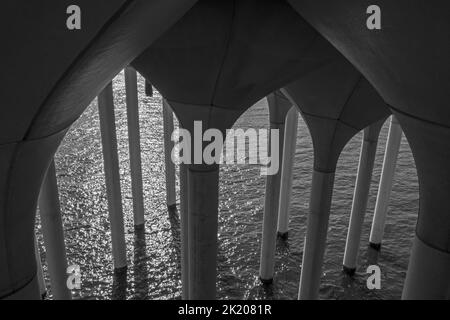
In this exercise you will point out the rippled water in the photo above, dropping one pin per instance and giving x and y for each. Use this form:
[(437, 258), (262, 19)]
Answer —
[(154, 254)]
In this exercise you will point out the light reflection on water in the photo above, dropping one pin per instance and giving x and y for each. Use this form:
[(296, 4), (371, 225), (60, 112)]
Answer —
[(154, 252)]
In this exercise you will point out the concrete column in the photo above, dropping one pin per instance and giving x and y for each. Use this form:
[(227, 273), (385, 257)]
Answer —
[(52, 230), (200, 185), (112, 176), (428, 275), (290, 142), (168, 146), (40, 271), (203, 195), (385, 187), (278, 108), (316, 236), (134, 145), (361, 195), (22, 170), (184, 232)]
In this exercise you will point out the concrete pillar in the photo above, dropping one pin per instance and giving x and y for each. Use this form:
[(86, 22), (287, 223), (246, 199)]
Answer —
[(385, 187), (134, 145), (203, 202), (316, 236), (290, 142), (52, 230), (361, 195), (200, 185), (278, 108), (112, 176), (184, 232), (168, 146), (428, 275), (22, 170), (40, 271)]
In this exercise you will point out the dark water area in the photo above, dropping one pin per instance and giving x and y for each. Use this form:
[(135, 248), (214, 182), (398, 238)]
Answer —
[(154, 254)]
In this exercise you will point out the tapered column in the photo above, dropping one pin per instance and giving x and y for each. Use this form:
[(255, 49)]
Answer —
[(112, 176), (200, 185), (317, 228), (385, 187), (428, 275), (184, 231), (171, 198), (361, 195), (22, 169), (40, 271), (52, 230), (290, 140), (278, 108), (134, 145)]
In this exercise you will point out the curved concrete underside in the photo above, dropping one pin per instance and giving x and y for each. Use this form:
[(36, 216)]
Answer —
[(212, 64)]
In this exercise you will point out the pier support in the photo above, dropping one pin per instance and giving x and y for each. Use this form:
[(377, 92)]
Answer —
[(184, 232), (289, 144), (53, 233), (316, 236), (24, 164), (112, 176), (278, 108), (386, 180), (428, 275), (40, 271), (200, 195), (331, 127), (134, 145), (361, 195), (171, 198), (203, 185)]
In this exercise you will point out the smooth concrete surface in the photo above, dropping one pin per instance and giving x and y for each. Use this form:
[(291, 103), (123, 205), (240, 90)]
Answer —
[(361, 195), (112, 176), (428, 276), (278, 109), (134, 140), (53, 233), (203, 195), (24, 164), (290, 142), (171, 198), (386, 181), (316, 236)]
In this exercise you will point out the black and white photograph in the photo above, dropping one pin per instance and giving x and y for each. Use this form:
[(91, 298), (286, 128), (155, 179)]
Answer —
[(247, 152)]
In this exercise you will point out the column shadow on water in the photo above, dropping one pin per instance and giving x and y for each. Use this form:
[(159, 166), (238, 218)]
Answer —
[(119, 288), (175, 229), (140, 268)]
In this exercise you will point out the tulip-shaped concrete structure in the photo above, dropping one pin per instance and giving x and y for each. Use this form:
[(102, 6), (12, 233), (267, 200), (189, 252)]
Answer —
[(77, 65), (200, 80), (212, 59), (349, 105), (407, 62)]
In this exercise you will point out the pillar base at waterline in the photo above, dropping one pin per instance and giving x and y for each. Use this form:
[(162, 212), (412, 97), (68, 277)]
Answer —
[(349, 271), (375, 246), (283, 235)]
